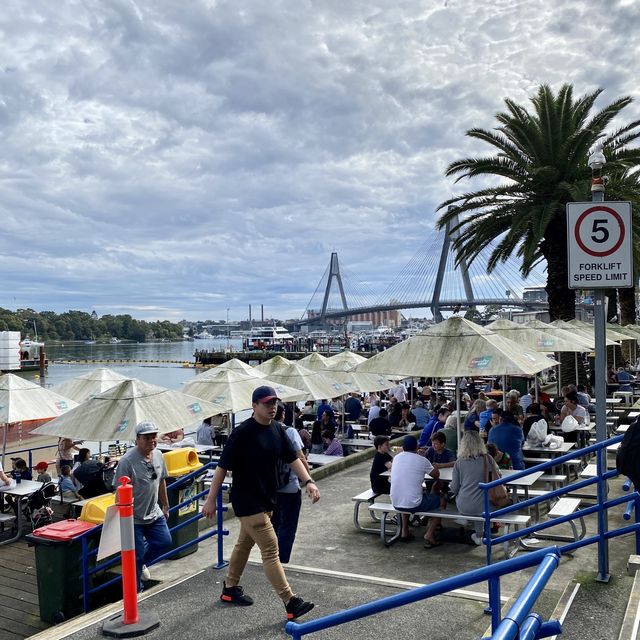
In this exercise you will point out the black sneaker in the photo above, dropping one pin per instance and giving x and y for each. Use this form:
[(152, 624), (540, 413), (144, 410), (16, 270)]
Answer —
[(235, 595), (297, 607)]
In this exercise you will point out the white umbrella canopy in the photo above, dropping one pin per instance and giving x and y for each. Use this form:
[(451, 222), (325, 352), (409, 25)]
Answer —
[(562, 334), (347, 356), (89, 384), (456, 347), (316, 384), (537, 339), (238, 366), (233, 389), (315, 361), (614, 332), (114, 414), (21, 400), (358, 381), (583, 332)]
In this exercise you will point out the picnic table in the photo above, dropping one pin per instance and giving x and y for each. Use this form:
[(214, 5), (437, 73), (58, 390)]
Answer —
[(319, 459), (21, 491), (356, 443)]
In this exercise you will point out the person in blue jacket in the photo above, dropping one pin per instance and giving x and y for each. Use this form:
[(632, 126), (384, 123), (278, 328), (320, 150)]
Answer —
[(436, 423), (509, 437)]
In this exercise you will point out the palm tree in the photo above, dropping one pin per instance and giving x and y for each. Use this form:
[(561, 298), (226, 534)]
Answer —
[(542, 159)]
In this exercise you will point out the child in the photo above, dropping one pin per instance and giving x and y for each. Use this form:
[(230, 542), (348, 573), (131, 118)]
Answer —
[(438, 454), (43, 474), (20, 468), (502, 458), (67, 487)]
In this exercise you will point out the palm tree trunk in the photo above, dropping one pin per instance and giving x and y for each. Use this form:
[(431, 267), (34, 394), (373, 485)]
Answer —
[(562, 300)]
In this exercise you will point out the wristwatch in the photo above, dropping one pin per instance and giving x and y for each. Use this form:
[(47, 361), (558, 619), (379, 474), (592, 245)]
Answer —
[(309, 481)]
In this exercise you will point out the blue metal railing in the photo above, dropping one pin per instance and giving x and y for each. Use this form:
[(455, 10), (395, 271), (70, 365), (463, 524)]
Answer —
[(547, 559), (601, 506), (90, 549)]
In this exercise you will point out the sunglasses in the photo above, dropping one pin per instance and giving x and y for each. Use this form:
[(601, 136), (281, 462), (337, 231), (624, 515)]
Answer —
[(153, 475)]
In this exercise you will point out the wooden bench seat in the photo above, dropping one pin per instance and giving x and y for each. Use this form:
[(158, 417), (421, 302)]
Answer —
[(384, 510), (563, 507)]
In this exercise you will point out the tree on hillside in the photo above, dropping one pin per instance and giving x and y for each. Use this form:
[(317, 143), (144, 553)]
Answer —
[(541, 158)]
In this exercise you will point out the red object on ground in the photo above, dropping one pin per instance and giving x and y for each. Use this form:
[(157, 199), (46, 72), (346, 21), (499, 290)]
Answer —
[(128, 554), (64, 530)]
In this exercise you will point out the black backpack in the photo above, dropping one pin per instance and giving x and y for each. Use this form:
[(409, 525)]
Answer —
[(628, 454)]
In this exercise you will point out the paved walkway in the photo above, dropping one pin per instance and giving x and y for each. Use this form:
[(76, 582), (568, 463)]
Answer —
[(327, 547)]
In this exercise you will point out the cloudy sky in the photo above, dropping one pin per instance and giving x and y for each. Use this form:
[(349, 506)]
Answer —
[(174, 159)]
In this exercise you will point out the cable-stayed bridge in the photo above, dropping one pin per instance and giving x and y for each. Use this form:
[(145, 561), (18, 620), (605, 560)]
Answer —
[(431, 279)]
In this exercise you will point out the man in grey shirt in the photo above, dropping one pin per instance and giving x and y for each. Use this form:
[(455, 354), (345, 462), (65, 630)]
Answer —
[(144, 466)]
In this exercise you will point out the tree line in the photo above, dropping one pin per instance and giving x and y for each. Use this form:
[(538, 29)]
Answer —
[(79, 325)]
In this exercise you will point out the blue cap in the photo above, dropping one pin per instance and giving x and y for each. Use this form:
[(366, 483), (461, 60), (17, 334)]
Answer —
[(264, 394), (410, 443)]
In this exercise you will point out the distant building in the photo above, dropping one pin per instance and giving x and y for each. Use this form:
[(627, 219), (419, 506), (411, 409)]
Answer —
[(534, 294)]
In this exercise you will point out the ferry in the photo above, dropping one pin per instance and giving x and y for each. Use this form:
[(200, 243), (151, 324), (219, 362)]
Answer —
[(267, 338), (30, 354)]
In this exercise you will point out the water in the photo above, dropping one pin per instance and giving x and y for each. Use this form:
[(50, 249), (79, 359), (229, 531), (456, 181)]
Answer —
[(160, 361)]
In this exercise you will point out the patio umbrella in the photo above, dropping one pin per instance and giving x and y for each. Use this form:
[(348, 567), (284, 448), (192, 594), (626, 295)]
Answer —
[(114, 414), (585, 331), (456, 347), (233, 389), (537, 339), (344, 373), (345, 356), (315, 383), (315, 361), (89, 384), (238, 366), (561, 334), (540, 339), (24, 401)]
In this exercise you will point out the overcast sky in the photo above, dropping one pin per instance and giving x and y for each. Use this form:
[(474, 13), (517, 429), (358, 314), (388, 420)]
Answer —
[(174, 159)]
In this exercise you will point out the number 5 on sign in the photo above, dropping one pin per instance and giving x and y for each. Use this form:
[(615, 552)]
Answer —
[(599, 245)]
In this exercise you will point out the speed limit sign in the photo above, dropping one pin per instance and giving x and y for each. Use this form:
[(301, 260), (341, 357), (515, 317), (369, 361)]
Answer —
[(599, 245)]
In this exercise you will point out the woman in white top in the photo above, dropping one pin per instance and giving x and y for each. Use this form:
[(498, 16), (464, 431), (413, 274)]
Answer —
[(4, 478)]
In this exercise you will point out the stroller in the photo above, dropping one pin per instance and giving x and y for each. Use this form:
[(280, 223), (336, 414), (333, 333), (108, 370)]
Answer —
[(37, 510)]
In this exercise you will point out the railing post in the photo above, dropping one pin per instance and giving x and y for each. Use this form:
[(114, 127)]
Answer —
[(495, 607), (637, 520), (220, 526), (603, 543)]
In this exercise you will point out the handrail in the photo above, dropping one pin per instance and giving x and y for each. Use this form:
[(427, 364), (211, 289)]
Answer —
[(494, 571), (219, 531), (600, 508)]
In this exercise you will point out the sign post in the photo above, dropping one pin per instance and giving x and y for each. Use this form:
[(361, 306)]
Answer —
[(600, 257)]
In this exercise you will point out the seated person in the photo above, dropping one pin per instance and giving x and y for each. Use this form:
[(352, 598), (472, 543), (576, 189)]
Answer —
[(584, 399), (381, 463), (572, 408), (353, 407), (408, 472), (624, 379), (173, 436), (512, 405), (485, 417), (43, 474), (332, 444), (66, 486), (322, 407), (503, 460), (5, 480), (205, 433), (319, 426), (380, 426), (450, 432), (508, 437), (438, 454), (472, 421), (89, 476), (374, 412), (421, 415), (436, 423), (21, 469), (407, 419)]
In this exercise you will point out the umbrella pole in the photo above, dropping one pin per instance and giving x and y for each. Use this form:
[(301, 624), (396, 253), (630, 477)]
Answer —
[(458, 410), (504, 391), (536, 387), (4, 442), (575, 355)]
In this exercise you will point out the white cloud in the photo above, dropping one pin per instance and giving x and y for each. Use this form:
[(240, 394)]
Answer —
[(178, 159)]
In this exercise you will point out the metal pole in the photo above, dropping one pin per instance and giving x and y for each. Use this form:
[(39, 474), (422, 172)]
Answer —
[(597, 195)]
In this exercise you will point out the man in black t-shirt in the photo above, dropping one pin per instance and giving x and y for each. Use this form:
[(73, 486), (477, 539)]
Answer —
[(252, 453), (380, 426), (381, 463)]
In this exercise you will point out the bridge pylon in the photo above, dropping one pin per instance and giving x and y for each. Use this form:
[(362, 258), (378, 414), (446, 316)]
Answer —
[(334, 272), (449, 235)]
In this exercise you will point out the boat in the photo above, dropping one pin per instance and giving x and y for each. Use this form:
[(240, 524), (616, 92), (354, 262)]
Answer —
[(115, 340), (267, 338), (30, 354)]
